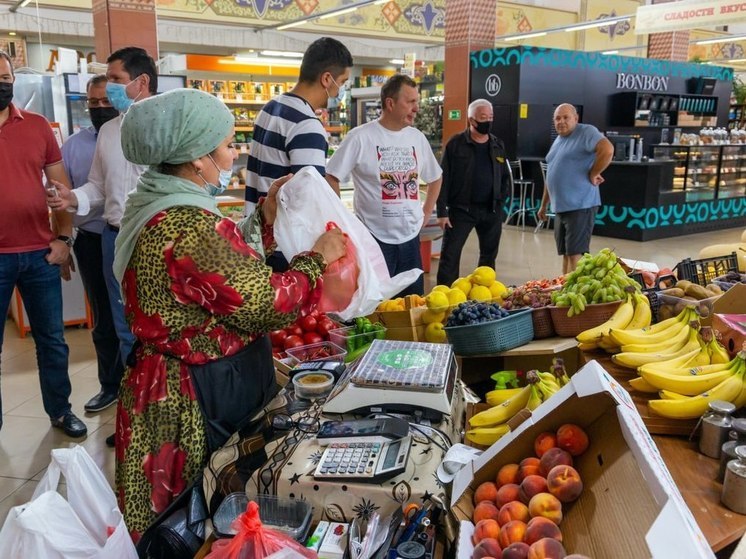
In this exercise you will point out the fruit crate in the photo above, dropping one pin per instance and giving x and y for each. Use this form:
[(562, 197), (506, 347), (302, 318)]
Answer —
[(403, 325), (704, 270), (592, 316), (495, 336)]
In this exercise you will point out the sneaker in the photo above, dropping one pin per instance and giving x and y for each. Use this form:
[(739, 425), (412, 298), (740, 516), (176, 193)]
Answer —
[(71, 425), (110, 440), (100, 401)]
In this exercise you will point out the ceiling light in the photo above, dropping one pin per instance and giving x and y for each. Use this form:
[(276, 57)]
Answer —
[(379, 2), (397, 61), (291, 24), (256, 61), (610, 52), (728, 39), (12, 33), (283, 53), (338, 13), (598, 23), (20, 4), (737, 61), (523, 36)]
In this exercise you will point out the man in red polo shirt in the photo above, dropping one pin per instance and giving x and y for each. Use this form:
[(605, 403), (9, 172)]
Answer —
[(32, 252)]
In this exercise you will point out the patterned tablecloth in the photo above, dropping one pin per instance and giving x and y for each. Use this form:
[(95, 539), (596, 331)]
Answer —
[(292, 460)]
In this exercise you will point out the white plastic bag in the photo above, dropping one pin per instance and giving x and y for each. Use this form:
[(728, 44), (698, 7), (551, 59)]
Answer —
[(88, 525), (305, 204)]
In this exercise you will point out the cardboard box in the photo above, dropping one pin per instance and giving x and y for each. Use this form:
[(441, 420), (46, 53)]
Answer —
[(404, 325), (732, 330), (630, 506), (732, 301)]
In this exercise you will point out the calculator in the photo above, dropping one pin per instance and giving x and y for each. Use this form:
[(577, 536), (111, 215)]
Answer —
[(363, 461)]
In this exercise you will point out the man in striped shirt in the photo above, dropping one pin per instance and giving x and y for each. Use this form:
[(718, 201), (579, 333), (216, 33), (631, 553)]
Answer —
[(287, 133)]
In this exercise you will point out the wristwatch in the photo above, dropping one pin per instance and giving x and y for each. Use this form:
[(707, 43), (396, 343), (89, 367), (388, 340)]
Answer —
[(65, 239)]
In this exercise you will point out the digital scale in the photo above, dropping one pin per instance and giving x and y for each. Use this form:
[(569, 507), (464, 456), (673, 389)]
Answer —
[(398, 377)]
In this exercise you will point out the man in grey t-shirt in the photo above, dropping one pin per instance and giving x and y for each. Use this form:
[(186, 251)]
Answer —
[(578, 156)]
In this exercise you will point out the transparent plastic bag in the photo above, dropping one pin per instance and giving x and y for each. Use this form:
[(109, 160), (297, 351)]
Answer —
[(340, 279), (254, 541)]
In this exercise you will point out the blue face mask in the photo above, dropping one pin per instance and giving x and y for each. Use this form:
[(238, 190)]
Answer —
[(117, 94), (341, 93), (224, 179)]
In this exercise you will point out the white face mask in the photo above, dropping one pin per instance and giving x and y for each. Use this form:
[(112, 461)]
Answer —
[(340, 94), (224, 179)]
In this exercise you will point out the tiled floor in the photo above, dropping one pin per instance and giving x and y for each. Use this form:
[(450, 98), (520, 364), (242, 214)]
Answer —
[(26, 438)]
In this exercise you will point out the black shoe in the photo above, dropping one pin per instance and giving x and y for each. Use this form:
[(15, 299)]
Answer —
[(100, 401), (71, 425), (110, 440)]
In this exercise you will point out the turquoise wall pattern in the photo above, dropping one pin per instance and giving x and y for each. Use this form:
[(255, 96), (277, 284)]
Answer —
[(510, 56), (672, 214)]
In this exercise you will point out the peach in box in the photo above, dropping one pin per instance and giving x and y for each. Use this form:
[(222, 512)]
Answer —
[(483, 510), (507, 493), (540, 527), (487, 528), (527, 467), (564, 483), (507, 474), (532, 485), (546, 505), (544, 442), (554, 457), (514, 510), (486, 491), (547, 548), (572, 438), (517, 550), (488, 547), (512, 532)]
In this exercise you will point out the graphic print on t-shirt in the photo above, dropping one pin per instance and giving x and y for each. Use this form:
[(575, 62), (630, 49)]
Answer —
[(397, 168)]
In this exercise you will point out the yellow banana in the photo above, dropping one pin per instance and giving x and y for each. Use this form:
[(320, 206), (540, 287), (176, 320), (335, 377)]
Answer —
[(682, 361), (495, 397), (547, 389), (634, 360), (652, 334), (691, 408), (668, 395), (487, 436), (643, 315), (740, 400), (587, 346), (641, 385), (718, 354), (674, 342), (687, 370), (502, 412), (688, 385), (620, 319), (535, 399), (608, 345)]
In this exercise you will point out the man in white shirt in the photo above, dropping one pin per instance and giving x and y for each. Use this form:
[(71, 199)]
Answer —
[(132, 76), (387, 159)]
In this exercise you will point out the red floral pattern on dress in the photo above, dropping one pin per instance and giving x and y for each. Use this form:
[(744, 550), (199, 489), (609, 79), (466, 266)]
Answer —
[(291, 288), (148, 381), (207, 289), (146, 328), (164, 472), (157, 218), (228, 230), (230, 342), (123, 433)]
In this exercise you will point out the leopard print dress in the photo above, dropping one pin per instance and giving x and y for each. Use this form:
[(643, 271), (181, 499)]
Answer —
[(194, 292)]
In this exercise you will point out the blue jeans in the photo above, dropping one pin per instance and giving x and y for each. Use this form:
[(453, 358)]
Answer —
[(126, 339), (403, 257), (41, 289)]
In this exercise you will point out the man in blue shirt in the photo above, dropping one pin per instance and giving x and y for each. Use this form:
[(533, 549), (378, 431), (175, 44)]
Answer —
[(77, 156), (578, 156)]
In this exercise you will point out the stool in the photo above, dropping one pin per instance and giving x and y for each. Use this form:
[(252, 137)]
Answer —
[(522, 186)]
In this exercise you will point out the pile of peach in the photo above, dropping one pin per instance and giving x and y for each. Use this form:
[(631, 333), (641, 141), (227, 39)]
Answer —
[(517, 516)]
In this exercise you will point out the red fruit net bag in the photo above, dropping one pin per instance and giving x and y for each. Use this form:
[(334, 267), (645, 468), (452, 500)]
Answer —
[(254, 541), (340, 279)]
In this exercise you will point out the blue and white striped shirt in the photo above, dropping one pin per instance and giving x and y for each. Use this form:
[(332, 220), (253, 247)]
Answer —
[(287, 137)]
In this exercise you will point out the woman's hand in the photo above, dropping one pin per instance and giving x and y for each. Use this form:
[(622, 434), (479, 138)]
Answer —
[(269, 208), (332, 245)]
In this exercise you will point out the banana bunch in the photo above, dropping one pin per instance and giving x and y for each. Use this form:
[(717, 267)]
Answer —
[(640, 354), (686, 396), (491, 424), (633, 314)]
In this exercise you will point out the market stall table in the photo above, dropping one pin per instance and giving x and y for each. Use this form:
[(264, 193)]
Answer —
[(694, 475)]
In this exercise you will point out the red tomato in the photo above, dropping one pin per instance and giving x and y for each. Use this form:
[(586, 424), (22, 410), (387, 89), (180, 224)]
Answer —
[(294, 330), (312, 338), (277, 354), (292, 341), (315, 313), (278, 337), (324, 325), (308, 323)]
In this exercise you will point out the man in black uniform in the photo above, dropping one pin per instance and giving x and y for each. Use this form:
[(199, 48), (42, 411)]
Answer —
[(476, 182)]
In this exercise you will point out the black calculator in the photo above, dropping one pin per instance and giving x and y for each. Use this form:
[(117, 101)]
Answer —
[(363, 461)]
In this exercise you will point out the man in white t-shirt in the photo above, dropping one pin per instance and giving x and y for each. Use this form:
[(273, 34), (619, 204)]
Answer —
[(387, 159)]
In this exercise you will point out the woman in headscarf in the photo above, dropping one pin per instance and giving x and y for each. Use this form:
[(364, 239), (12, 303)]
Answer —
[(196, 296)]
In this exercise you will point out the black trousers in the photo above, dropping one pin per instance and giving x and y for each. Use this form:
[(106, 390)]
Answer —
[(489, 226), (90, 265)]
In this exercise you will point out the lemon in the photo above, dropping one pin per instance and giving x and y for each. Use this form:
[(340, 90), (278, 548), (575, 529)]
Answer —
[(480, 293), (498, 289), (456, 296), (428, 317), (437, 301), (463, 284), (443, 288), (484, 275), (434, 333)]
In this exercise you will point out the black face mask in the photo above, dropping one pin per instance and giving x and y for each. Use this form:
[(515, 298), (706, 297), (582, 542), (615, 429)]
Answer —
[(102, 115), (6, 94), (483, 127)]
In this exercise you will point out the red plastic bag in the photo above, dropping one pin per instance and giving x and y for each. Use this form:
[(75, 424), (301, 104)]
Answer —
[(253, 540), (340, 279)]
